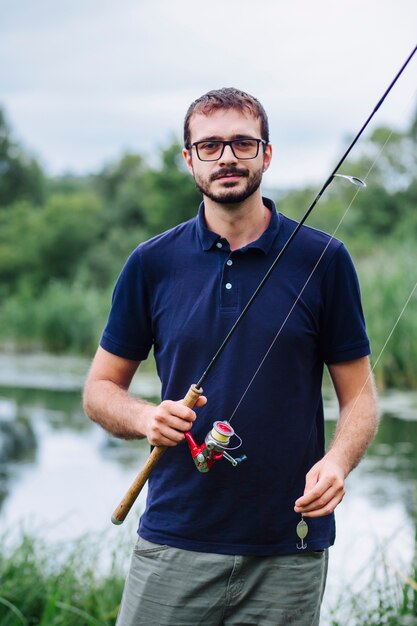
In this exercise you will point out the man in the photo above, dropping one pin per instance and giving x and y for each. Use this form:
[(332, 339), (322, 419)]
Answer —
[(221, 547)]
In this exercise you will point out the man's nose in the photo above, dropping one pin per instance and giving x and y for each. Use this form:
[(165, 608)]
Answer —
[(228, 155)]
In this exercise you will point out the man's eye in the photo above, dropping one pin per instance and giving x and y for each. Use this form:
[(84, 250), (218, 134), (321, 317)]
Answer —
[(209, 145), (244, 143)]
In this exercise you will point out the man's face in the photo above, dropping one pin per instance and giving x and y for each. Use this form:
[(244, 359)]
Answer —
[(229, 180)]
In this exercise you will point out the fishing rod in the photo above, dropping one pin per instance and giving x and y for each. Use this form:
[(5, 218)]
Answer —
[(217, 440)]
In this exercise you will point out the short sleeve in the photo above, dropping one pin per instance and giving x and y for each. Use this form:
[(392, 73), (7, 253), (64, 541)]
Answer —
[(128, 332), (343, 330)]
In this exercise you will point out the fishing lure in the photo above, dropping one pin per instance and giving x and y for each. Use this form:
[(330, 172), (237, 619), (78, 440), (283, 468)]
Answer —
[(302, 531)]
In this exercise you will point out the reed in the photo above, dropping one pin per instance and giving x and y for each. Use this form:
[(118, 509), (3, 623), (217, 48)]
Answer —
[(387, 282), (57, 586), (390, 599), (46, 585), (61, 319)]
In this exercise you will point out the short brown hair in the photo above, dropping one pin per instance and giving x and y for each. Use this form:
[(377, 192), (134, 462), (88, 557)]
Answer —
[(226, 98)]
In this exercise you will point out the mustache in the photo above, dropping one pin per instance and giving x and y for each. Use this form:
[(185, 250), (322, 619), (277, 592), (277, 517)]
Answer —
[(229, 171)]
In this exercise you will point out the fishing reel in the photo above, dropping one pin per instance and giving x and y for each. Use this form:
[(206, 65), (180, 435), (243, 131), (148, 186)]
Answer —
[(214, 447)]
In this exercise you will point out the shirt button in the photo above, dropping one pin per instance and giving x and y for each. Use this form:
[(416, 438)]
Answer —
[(228, 285), (219, 245), (229, 262)]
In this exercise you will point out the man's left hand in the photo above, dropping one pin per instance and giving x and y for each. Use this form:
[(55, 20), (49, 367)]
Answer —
[(324, 489)]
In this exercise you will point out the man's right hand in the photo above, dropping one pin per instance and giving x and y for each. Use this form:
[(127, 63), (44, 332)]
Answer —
[(107, 402), (167, 422)]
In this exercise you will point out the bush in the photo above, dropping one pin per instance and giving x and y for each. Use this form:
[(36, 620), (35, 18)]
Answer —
[(61, 318)]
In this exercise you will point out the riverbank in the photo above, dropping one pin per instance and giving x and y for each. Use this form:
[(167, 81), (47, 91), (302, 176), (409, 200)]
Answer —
[(50, 372)]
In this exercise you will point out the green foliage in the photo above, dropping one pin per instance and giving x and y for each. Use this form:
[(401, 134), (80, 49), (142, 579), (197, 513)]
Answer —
[(385, 210), (57, 586), (387, 279), (62, 586), (121, 186), (69, 318), (171, 196), (68, 184), (21, 177), (48, 242), (388, 600), (66, 227), (59, 261), (62, 318), (104, 259)]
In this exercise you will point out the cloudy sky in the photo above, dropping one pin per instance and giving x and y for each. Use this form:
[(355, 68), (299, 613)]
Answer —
[(84, 80)]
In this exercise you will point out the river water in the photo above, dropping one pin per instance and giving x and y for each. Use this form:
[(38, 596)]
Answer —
[(68, 484)]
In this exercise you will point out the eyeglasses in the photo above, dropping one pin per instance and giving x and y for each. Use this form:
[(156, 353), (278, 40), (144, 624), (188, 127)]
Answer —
[(245, 148)]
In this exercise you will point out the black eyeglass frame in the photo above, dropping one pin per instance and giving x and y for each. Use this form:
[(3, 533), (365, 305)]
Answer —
[(229, 143)]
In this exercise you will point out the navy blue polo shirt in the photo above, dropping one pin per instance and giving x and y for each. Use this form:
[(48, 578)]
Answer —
[(180, 293)]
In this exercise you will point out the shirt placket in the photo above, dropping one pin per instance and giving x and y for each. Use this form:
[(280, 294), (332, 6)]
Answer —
[(229, 281)]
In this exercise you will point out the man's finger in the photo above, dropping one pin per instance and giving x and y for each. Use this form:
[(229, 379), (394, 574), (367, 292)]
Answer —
[(326, 509), (315, 493)]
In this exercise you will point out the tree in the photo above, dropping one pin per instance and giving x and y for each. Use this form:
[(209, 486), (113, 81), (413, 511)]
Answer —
[(388, 163), (21, 177), (48, 243), (121, 185), (171, 196)]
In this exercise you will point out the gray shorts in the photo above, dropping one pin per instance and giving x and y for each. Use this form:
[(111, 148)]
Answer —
[(170, 587)]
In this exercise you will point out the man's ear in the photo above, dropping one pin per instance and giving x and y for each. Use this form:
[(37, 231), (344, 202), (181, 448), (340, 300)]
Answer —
[(267, 157), (188, 160)]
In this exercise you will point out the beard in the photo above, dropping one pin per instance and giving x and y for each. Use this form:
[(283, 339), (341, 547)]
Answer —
[(230, 195)]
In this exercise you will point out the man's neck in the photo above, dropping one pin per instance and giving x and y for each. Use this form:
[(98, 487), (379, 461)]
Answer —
[(239, 223)]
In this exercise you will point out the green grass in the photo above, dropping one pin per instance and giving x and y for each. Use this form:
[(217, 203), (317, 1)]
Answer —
[(57, 586), (60, 319), (390, 599), (387, 282), (60, 586)]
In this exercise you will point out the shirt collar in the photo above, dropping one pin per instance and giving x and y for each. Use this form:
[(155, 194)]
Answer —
[(209, 238)]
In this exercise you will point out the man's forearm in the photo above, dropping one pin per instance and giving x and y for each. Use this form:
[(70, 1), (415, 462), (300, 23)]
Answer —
[(116, 410), (357, 426), (358, 421)]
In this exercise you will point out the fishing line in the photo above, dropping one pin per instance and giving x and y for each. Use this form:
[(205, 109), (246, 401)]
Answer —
[(401, 313), (332, 237), (345, 419), (302, 526)]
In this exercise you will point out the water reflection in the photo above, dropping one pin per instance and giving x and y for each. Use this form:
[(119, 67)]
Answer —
[(58, 422), (60, 409)]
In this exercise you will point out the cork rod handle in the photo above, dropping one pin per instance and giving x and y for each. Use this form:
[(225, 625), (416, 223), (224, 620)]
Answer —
[(136, 487)]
